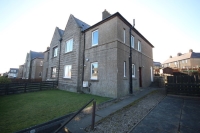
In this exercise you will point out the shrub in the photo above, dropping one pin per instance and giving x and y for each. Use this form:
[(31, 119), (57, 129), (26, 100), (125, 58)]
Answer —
[(4, 80)]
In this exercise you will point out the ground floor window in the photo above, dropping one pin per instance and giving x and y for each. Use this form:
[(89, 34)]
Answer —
[(67, 71), (94, 70), (53, 72), (133, 70)]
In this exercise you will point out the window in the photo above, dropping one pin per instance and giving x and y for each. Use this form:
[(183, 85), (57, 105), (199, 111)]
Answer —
[(94, 70), (46, 72), (40, 74), (133, 70), (139, 46), (69, 46), (169, 64), (95, 38), (53, 72), (182, 61), (41, 63), (55, 51), (175, 63), (124, 36), (124, 68), (185, 61), (132, 41), (67, 71)]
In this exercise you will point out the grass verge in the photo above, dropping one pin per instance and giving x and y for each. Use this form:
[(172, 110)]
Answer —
[(21, 111)]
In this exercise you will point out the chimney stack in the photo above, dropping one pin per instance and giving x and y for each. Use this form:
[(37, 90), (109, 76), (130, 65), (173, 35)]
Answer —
[(105, 14), (190, 50), (133, 22), (170, 56), (179, 54)]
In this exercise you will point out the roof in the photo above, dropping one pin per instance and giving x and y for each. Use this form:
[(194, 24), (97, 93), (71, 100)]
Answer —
[(61, 32), (125, 21), (183, 57), (81, 24), (36, 54), (156, 63)]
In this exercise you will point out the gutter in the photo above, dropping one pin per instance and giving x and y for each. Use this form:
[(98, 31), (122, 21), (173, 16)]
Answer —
[(83, 58), (130, 67), (59, 61)]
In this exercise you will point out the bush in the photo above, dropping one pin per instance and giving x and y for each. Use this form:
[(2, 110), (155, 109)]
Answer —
[(4, 80)]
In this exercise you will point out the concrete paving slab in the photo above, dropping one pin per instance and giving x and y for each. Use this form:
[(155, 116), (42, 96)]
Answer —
[(171, 115)]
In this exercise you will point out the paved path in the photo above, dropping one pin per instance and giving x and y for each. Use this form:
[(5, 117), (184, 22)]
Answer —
[(77, 126), (172, 115)]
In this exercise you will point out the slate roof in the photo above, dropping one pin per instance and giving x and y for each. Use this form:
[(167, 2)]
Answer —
[(156, 63), (82, 24), (183, 57), (125, 21), (61, 32), (36, 54)]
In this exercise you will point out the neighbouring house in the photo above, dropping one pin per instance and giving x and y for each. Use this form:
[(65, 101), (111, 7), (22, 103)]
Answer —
[(1, 74), (28, 62), (13, 73), (110, 58), (187, 62), (52, 57), (36, 68), (156, 68), (45, 65), (20, 72)]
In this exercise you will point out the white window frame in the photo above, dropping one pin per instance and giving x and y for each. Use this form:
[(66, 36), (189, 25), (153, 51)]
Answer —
[(94, 44), (55, 51), (92, 77), (133, 70), (132, 41), (124, 68), (69, 45), (186, 61), (124, 32), (139, 46), (67, 71)]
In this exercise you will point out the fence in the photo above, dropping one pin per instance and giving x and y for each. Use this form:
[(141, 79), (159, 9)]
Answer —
[(13, 88), (183, 85), (17, 80)]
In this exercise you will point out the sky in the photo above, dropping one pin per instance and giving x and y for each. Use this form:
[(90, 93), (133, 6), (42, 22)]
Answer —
[(172, 26)]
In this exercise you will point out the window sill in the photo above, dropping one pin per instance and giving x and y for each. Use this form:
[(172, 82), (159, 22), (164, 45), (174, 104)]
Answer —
[(66, 78), (125, 78), (54, 57), (94, 80), (95, 45), (68, 52)]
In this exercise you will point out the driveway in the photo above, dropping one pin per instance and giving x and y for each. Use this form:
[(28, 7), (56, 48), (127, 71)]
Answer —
[(172, 115)]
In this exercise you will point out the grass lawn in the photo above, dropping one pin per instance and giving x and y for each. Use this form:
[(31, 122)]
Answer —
[(21, 111)]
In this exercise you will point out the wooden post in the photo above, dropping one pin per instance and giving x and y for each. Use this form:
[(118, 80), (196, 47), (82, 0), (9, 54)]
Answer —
[(93, 114)]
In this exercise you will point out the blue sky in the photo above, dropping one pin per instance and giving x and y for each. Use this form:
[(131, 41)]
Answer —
[(172, 26)]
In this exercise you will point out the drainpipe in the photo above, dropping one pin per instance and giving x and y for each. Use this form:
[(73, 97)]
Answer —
[(59, 60), (83, 57), (130, 67)]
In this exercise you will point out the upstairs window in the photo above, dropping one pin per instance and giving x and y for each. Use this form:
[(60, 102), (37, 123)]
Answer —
[(41, 63), (139, 46), (95, 37), (94, 70), (69, 46), (67, 71), (55, 52), (124, 32), (132, 41), (133, 70)]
